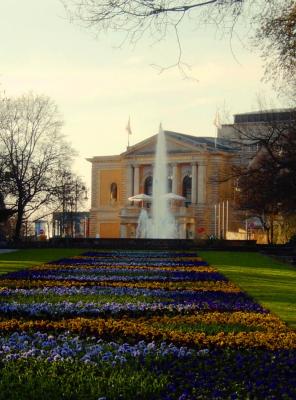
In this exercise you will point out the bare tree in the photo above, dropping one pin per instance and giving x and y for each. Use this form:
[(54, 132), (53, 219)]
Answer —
[(70, 190), (32, 150), (70, 194), (259, 196), (276, 37), (267, 183), (135, 17), (157, 18)]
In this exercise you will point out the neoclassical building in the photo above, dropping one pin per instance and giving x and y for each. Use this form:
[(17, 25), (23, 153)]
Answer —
[(196, 167)]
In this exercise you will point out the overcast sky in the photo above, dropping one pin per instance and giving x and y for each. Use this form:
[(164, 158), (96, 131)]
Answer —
[(97, 85)]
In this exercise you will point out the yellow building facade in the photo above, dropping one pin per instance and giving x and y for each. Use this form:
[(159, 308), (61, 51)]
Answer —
[(196, 167)]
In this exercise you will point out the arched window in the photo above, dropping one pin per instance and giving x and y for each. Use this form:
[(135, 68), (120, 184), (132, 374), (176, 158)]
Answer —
[(186, 189), (113, 192), (148, 184)]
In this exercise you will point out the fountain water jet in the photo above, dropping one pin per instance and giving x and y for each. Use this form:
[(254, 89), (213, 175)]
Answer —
[(162, 225)]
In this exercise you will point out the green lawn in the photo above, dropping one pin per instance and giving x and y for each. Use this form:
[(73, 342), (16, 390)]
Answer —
[(271, 283), (27, 258)]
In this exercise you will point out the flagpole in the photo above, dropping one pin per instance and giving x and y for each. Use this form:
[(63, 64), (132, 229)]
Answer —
[(227, 217), (223, 221), (217, 124), (219, 221), (215, 219), (129, 131)]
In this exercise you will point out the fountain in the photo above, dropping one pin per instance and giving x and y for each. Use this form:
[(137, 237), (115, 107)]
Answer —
[(144, 225), (162, 224)]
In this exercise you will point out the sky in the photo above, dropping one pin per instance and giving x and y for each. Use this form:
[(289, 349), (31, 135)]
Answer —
[(97, 84)]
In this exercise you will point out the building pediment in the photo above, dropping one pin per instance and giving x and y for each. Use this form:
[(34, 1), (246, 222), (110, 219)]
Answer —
[(176, 143)]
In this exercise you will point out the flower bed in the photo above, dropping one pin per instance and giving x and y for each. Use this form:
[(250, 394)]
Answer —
[(149, 325)]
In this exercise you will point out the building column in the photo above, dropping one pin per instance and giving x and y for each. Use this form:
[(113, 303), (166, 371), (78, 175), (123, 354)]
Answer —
[(182, 231), (201, 193), (175, 183), (123, 231), (53, 228), (136, 179), (193, 183), (130, 178)]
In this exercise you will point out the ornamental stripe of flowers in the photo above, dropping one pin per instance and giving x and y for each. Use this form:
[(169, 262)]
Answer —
[(222, 286), (124, 267), (99, 275), (144, 330)]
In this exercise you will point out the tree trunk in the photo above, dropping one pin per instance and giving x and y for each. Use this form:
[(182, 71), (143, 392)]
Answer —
[(268, 235), (271, 229), (18, 225)]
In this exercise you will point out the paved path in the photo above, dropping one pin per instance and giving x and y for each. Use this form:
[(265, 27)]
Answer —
[(7, 250)]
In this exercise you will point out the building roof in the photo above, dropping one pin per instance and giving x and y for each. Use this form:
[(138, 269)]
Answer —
[(264, 116), (187, 143), (209, 142)]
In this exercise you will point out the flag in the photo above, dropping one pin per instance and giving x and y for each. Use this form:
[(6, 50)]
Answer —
[(217, 122), (128, 126)]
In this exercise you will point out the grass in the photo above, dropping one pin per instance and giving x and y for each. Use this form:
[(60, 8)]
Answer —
[(34, 380), (270, 282), (209, 329), (27, 258)]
